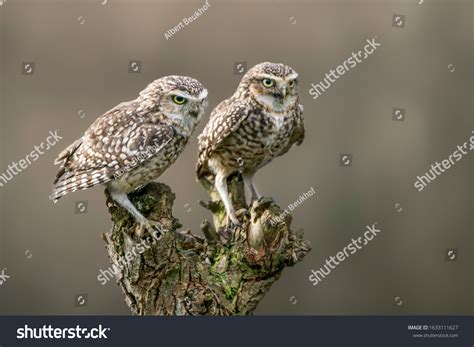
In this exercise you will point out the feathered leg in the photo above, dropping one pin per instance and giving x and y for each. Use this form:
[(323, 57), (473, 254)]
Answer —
[(122, 199), (248, 181), (221, 187)]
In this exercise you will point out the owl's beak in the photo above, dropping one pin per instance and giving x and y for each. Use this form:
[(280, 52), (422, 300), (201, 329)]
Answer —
[(281, 92), (194, 111)]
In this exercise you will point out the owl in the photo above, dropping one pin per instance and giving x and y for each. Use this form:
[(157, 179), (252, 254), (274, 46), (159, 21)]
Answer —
[(260, 122), (134, 142)]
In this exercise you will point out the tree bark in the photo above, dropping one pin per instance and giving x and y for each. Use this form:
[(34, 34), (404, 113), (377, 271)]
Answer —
[(226, 272)]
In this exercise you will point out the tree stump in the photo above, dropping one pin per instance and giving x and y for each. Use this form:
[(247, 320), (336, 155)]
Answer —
[(226, 272)]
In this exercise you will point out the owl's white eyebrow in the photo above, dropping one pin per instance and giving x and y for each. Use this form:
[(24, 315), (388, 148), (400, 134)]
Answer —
[(185, 95), (292, 76), (289, 77), (181, 94), (264, 75), (202, 95)]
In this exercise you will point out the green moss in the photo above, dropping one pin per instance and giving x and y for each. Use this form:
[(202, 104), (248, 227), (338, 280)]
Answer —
[(173, 274), (230, 286)]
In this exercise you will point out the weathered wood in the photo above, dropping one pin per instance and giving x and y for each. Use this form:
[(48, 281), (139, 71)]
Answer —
[(225, 273)]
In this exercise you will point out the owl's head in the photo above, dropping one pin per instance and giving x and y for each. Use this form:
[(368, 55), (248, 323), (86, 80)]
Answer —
[(181, 100), (273, 86)]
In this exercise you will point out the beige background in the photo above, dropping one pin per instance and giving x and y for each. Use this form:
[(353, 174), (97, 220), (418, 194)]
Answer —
[(85, 67)]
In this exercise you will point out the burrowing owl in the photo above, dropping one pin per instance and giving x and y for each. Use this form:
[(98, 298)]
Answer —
[(133, 143), (261, 121)]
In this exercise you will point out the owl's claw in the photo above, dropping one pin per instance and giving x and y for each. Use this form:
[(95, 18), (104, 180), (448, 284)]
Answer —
[(243, 212), (139, 188), (262, 202), (254, 197), (155, 229), (225, 233), (233, 220)]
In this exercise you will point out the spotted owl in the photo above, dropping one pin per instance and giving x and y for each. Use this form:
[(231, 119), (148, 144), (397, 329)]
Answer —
[(134, 142), (260, 122)]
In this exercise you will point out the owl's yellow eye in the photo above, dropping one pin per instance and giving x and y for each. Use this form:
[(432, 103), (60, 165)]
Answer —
[(179, 100), (268, 83), (291, 84)]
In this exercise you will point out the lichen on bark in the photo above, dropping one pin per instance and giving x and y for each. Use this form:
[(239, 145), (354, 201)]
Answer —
[(225, 272)]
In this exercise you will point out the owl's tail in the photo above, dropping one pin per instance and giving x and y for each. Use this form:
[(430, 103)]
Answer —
[(69, 179), (78, 180)]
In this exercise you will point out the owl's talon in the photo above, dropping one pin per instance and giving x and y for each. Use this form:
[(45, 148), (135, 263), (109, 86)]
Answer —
[(232, 220), (255, 196), (155, 229), (262, 202), (139, 188), (225, 233), (238, 224), (243, 212)]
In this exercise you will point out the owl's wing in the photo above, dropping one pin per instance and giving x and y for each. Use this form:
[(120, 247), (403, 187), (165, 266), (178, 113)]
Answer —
[(148, 141), (114, 144), (223, 121), (297, 137)]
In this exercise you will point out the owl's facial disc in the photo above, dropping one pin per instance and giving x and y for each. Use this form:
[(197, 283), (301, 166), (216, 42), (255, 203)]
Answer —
[(183, 109), (278, 94), (196, 106)]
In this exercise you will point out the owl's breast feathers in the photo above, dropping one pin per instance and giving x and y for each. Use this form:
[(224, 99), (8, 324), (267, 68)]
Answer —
[(115, 140), (242, 131), (224, 120)]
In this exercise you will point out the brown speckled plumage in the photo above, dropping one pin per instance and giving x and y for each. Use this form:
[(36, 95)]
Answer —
[(251, 128), (135, 142)]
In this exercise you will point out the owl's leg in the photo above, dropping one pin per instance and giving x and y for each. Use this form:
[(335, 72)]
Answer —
[(122, 199), (248, 182), (139, 188), (221, 187)]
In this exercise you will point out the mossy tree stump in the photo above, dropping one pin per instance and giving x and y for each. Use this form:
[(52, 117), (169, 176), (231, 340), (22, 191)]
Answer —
[(226, 272)]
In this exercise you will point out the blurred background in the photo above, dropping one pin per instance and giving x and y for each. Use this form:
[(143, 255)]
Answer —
[(63, 63)]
